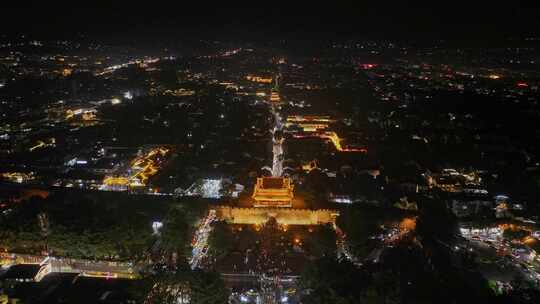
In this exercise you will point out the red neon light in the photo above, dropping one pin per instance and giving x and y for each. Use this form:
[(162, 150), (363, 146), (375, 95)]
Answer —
[(368, 66)]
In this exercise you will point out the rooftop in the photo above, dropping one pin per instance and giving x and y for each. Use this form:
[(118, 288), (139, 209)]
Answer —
[(273, 183)]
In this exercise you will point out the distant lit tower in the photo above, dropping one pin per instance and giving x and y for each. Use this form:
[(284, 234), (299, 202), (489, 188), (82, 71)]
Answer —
[(274, 94), (276, 83)]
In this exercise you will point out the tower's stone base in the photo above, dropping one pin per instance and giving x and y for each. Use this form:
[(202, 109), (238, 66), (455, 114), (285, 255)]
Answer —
[(286, 216)]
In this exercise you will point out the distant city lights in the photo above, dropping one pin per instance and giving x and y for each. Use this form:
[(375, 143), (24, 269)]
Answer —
[(368, 66), (115, 101), (211, 188)]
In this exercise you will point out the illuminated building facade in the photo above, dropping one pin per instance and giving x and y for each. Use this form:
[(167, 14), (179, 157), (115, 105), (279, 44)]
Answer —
[(17, 177), (273, 192), (283, 216), (84, 113), (274, 97), (142, 169), (259, 79)]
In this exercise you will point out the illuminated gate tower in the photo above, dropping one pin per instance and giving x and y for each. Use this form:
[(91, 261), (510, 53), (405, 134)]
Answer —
[(273, 192)]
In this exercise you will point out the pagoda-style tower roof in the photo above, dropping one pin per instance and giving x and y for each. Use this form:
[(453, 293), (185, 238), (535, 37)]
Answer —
[(273, 192)]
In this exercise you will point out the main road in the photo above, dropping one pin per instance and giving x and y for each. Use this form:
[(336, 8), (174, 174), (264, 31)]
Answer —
[(277, 144)]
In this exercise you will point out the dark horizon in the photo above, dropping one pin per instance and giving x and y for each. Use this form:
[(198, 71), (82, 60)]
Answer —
[(454, 22), (379, 152)]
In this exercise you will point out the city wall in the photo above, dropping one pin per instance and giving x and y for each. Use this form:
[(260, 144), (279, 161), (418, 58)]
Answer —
[(282, 215)]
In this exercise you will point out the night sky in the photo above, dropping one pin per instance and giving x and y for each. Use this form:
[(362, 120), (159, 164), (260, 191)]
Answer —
[(326, 20)]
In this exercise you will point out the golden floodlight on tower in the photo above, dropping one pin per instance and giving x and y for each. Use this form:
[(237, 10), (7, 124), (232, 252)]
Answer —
[(274, 97), (273, 192)]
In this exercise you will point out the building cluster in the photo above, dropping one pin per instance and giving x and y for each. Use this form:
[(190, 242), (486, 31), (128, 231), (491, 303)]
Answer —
[(270, 129)]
